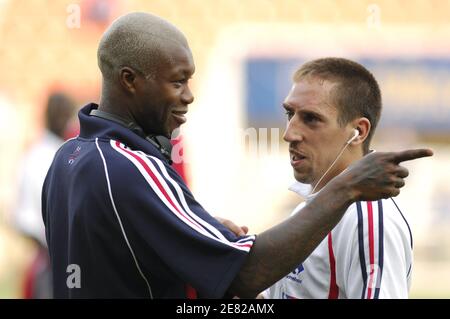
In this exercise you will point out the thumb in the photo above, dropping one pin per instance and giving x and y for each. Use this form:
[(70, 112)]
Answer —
[(244, 230)]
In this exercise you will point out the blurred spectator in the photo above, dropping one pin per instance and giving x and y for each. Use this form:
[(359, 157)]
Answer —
[(27, 216)]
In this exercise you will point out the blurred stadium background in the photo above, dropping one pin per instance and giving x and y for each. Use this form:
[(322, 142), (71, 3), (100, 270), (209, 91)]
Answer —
[(245, 52)]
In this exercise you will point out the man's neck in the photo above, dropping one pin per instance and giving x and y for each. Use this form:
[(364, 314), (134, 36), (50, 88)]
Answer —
[(115, 106), (335, 171)]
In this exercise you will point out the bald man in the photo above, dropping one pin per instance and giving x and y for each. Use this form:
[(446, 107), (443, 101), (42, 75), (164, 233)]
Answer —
[(120, 222)]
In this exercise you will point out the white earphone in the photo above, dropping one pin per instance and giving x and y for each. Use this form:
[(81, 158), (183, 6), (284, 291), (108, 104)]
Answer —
[(355, 135)]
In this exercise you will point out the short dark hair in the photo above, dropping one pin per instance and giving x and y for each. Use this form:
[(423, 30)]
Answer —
[(60, 109), (356, 93)]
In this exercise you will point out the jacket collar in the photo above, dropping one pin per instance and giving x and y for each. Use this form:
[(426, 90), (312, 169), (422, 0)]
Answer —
[(92, 127)]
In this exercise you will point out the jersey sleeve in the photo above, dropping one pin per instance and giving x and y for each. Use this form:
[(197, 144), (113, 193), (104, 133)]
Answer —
[(378, 256), (160, 215), (274, 291)]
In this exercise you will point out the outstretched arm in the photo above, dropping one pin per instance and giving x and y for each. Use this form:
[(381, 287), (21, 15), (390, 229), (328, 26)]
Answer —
[(278, 250)]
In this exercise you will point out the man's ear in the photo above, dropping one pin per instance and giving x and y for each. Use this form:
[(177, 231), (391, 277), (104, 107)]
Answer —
[(363, 126), (127, 79)]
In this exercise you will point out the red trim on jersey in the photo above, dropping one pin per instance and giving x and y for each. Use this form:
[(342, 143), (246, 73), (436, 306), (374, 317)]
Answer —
[(334, 289), (162, 189), (156, 181), (371, 250)]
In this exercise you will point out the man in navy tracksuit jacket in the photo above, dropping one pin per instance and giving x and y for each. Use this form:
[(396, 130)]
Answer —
[(120, 222), (127, 219)]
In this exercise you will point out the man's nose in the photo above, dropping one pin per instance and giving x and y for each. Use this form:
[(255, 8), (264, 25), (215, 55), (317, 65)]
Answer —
[(293, 132), (187, 97)]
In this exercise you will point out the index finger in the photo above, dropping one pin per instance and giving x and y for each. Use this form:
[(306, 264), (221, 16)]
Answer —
[(409, 155)]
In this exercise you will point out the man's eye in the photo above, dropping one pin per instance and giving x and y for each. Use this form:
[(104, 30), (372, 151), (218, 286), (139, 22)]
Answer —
[(289, 114), (179, 83), (309, 118)]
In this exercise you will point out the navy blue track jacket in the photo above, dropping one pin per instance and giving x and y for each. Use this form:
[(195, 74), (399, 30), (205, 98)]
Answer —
[(121, 223)]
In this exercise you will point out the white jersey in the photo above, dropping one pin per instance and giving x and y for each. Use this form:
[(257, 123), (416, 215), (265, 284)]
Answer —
[(34, 167), (367, 255)]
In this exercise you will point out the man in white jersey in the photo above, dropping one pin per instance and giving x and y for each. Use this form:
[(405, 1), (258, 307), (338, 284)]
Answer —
[(333, 109)]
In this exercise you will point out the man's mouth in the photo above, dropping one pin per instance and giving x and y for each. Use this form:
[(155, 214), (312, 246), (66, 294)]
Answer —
[(179, 116), (296, 158)]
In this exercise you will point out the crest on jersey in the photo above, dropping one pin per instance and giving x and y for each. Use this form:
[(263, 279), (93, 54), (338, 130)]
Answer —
[(298, 270)]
